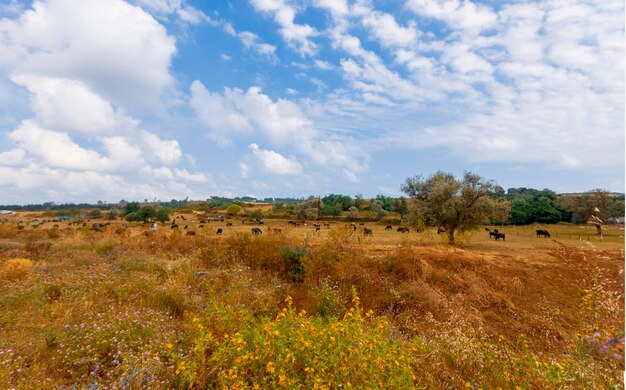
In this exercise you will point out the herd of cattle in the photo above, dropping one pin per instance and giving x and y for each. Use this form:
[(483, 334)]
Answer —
[(256, 230)]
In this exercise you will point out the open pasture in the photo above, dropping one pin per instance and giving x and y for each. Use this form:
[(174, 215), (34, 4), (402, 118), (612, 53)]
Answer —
[(117, 307)]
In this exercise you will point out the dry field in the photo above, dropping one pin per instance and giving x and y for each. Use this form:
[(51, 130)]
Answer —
[(299, 308)]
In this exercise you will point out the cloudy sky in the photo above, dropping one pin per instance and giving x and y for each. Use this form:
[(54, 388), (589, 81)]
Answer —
[(113, 99)]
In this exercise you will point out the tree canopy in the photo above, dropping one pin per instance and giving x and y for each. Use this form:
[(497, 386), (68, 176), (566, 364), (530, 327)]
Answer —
[(454, 204)]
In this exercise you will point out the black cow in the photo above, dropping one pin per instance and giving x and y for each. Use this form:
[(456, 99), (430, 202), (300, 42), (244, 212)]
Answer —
[(229, 224), (174, 226), (388, 227), (493, 234), (403, 229), (542, 232), (256, 231), (367, 232), (500, 236), (219, 231), (190, 233)]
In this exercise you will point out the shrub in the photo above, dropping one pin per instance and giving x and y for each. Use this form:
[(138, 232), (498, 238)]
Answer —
[(16, 268), (295, 351)]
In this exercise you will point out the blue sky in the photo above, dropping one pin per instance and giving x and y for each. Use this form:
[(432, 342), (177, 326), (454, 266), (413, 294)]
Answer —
[(113, 99)]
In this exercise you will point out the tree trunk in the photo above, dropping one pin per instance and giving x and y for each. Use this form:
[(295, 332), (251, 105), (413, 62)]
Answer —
[(451, 236)]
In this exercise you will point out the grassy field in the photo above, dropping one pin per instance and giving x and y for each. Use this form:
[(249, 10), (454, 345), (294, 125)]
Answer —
[(121, 308)]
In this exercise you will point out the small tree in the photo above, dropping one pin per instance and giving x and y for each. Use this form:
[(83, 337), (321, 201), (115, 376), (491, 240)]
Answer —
[(333, 210), (256, 214), (307, 209), (583, 206), (234, 209), (131, 207), (95, 213), (377, 206), (454, 204), (162, 215), (353, 213)]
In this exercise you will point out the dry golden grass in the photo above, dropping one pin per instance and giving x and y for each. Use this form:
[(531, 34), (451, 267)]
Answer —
[(79, 307)]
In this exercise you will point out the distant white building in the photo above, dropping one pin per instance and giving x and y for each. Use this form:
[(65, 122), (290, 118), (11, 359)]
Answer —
[(6, 212)]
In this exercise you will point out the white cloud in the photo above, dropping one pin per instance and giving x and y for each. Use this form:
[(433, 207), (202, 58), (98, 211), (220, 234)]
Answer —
[(244, 170), (183, 11), (14, 157), (251, 41), (167, 151), (70, 106), (84, 65), (275, 163), (336, 7), (234, 111), (297, 36), (460, 14), (183, 174), (109, 53), (324, 65), (388, 32), (56, 150)]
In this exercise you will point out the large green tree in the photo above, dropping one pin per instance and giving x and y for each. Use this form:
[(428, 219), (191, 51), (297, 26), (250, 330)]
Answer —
[(455, 204)]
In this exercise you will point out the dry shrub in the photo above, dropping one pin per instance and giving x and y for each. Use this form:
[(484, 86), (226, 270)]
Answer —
[(171, 299), (151, 267), (8, 231), (257, 252), (53, 233), (513, 285), (36, 249), (17, 268), (418, 295), (405, 262)]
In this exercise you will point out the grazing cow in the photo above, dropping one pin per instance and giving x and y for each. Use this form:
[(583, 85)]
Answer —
[(500, 236), (441, 230), (542, 232), (219, 231), (201, 226), (367, 232), (256, 231), (388, 227), (229, 224), (190, 233), (261, 223), (174, 226), (403, 229), (493, 234)]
